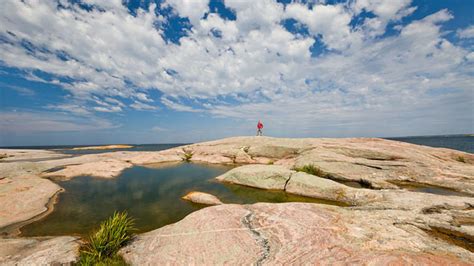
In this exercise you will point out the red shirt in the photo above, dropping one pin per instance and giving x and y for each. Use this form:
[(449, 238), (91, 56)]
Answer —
[(259, 125)]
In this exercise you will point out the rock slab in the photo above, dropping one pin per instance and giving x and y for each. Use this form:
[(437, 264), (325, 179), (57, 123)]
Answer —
[(39, 251), (202, 198), (288, 233)]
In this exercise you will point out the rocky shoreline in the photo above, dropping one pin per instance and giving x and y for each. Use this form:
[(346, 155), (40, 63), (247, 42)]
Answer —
[(385, 223)]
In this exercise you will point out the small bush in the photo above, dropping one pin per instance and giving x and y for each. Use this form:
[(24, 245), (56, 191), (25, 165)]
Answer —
[(270, 163), (461, 159), (103, 245), (312, 170), (187, 156)]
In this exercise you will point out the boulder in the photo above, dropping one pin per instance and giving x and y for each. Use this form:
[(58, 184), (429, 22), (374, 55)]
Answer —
[(202, 198), (259, 176), (39, 251), (316, 187)]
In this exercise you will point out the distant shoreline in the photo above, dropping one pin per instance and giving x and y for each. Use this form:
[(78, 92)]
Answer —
[(104, 147)]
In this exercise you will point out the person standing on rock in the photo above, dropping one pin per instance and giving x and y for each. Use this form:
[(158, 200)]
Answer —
[(259, 128)]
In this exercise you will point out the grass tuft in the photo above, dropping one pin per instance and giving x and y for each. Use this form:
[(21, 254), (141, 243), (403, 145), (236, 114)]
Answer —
[(103, 245), (461, 159), (187, 156), (312, 170)]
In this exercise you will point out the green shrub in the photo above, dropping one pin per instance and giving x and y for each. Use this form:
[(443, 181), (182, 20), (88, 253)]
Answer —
[(312, 170), (461, 159), (103, 245), (187, 156)]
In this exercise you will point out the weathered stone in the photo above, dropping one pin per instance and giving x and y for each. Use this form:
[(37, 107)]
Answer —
[(195, 240), (317, 187), (387, 226), (202, 198), (24, 198), (39, 251), (260, 176), (106, 169), (290, 233)]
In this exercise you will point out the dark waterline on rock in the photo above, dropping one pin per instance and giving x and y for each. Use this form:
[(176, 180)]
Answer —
[(417, 187), (151, 195)]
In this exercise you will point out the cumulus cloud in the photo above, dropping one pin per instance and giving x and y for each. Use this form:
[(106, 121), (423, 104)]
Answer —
[(192, 9), (466, 33), (248, 67)]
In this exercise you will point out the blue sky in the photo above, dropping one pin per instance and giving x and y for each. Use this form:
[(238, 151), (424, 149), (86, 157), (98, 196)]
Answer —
[(98, 72)]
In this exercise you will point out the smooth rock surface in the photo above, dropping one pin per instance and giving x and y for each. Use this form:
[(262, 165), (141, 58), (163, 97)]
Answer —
[(316, 187), (202, 198), (24, 198), (259, 176), (388, 226), (39, 251), (290, 233)]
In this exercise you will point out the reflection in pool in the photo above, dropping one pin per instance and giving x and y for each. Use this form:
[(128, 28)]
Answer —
[(151, 195)]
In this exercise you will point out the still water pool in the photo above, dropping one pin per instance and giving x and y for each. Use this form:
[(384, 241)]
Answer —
[(151, 195)]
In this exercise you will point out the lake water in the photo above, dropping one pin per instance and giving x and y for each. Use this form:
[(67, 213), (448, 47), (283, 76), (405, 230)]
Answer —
[(457, 142), (151, 195)]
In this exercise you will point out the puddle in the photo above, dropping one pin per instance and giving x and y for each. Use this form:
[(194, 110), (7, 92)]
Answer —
[(417, 187), (152, 196)]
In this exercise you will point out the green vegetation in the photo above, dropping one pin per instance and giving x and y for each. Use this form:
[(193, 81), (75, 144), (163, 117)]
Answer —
[(270, 162), (461, 159), (312, 170), (187, 156), (103, 245)]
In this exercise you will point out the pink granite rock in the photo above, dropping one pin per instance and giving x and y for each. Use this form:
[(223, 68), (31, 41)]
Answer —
[(202, 198)]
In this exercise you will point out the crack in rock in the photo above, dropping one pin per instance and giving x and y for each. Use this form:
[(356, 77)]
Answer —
[(261, 240), (286, 183)]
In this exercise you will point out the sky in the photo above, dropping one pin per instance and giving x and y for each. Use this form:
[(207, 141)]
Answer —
[(179, 71)]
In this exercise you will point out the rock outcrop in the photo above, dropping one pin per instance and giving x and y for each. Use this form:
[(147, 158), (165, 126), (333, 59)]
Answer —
[(259, 176), (291, 233), (24, 198), (202, 198), (39, 251), (385, 225)]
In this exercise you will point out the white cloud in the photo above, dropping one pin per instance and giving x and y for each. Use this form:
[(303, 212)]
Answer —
[(74, 108), (384, 11), (142, 106), (256, 68), (331, 21), (466, 33), (177, 106), (193, 9)]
